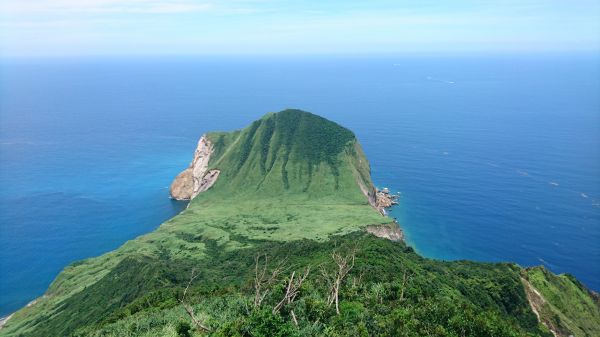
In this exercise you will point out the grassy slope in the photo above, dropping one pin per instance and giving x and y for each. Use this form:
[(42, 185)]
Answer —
[(567, 306), (288, 186)]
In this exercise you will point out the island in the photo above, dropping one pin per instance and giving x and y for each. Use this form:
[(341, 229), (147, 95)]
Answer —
[(285, 234)]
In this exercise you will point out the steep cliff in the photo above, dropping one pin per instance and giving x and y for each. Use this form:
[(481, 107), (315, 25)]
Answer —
[(197, 178), (391, 232), (564, 305)]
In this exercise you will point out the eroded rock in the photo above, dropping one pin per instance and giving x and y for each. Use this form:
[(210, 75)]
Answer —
[(389, 231), (196, 178)]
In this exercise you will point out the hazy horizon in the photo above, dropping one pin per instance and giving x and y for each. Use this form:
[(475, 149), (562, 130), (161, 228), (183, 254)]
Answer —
[(69, 28)]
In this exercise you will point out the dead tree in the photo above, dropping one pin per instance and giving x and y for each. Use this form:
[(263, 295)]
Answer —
[(335, 279), (357, 281), (291, 291), (188, 308), (405, 279), (263, 278)]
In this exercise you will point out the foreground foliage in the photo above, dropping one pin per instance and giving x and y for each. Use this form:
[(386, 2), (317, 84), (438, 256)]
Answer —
[(390, 291)]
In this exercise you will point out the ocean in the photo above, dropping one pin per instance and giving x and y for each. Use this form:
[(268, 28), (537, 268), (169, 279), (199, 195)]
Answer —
[(496, 157)]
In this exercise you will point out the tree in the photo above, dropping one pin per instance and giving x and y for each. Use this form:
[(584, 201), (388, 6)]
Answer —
[(335, 279), (291, 292), (188, 308), (263, 278)]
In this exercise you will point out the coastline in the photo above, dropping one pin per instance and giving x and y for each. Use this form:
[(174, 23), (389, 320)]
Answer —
[(384, 200), (5, 319)]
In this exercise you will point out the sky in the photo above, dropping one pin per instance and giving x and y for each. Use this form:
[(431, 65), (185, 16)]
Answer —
[(38, 28)]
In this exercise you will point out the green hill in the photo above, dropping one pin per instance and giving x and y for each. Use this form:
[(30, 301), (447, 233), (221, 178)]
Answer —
[(278, 246)]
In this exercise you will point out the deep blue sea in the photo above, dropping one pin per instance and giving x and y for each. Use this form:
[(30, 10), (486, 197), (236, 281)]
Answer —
[(497, 158)]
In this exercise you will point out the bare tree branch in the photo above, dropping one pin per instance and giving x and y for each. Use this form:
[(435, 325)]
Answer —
[(294, 317), (292, 290), (190, 311), (263, 279), (405, 279), (335, 279)]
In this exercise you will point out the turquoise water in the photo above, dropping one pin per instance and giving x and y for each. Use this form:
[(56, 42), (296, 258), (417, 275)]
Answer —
[(497, 157)]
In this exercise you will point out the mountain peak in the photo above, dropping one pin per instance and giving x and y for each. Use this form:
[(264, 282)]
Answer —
[(283, 153)]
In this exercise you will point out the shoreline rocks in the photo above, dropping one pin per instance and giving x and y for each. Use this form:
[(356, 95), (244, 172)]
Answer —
[(3, 320), (383, 200)]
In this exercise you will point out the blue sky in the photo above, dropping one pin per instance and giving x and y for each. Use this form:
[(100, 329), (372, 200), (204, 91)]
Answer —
[(196, 27)]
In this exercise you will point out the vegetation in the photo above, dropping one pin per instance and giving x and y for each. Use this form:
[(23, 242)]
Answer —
[(563, 303), (286, 153), (277, 248), (389, 291)]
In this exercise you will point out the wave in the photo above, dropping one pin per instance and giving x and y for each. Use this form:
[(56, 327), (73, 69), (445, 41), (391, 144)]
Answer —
[(429, 78)]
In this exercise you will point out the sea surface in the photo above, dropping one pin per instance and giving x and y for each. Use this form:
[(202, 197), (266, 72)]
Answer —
[(497, 158)]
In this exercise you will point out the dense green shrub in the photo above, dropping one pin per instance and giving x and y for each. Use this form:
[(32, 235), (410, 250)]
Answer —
[(391, 291)]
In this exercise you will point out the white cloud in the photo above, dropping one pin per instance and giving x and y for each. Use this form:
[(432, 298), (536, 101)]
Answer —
[(25, 7), (32, 27)]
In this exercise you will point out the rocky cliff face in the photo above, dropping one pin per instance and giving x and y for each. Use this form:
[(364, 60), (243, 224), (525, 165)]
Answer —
[(391, 231), (197, 178), (380, 200), (370, 192), (385, 200)]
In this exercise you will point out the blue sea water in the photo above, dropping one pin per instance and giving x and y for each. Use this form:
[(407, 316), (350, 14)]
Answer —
[(497, 157)]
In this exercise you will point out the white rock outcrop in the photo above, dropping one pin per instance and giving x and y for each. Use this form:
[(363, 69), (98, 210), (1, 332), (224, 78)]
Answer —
[(197, 178), (389, 231)]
